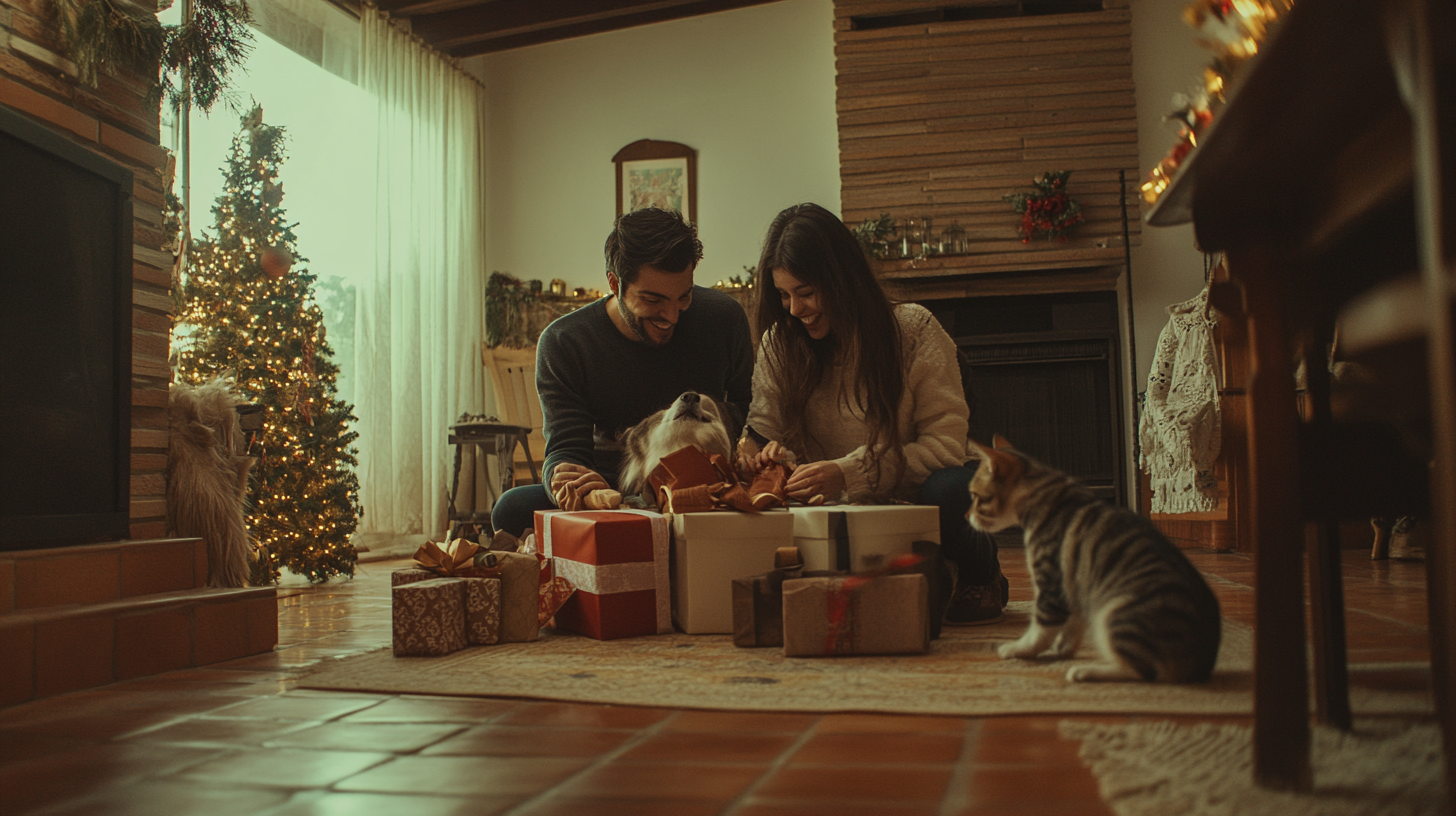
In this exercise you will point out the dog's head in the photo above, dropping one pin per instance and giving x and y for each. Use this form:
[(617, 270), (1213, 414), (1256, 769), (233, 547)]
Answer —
[(692, 419)]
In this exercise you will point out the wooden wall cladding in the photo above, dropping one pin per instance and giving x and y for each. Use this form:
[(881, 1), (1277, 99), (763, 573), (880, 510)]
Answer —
[(119, 120), (942, 119)]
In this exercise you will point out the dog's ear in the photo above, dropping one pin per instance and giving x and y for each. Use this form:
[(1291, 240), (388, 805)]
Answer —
[(633, 476)]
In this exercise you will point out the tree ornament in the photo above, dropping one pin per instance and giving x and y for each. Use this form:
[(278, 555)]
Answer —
[(1049, 210), (276, 261)]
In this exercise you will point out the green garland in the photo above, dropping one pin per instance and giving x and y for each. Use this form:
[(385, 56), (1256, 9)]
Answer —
[(103, 35)]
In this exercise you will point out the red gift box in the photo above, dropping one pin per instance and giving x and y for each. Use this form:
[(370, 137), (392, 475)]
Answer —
[(617, 559)]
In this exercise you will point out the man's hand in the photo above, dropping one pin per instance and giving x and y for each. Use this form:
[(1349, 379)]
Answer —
[(570, 484), (815, 479)]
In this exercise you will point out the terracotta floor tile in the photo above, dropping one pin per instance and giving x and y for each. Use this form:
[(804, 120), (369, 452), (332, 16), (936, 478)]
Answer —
[(67, 775), (293, 708), (880, 749), (1023, 786), (323, 803), (564, 806), (839, 808), (399, 738), (465, 776), (856, 784), (500, 740), (720, 721), (883, 723), (1036, 808), (659, 780), (434, 709), (697, 746), (153, 797), (220, 732), (283, 768), (585, 716)]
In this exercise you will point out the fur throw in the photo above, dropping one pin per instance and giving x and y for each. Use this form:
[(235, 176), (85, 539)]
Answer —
[(207, 478)]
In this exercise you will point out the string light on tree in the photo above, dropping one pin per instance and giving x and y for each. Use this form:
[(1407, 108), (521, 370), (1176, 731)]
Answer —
[(250, 315)]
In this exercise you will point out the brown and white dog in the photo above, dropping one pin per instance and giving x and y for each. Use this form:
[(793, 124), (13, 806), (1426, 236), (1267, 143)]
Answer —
[(692, 419)]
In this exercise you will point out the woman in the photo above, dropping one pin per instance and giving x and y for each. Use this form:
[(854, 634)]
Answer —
[(866, 395)]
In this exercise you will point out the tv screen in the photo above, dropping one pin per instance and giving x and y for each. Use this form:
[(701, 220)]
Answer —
[(65, 339)]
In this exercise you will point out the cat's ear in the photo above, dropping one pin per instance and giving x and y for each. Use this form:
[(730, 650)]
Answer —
[(1001, 443)]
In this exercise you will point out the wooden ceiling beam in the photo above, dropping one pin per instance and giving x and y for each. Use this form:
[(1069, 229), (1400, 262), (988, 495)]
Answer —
[(411, 8), (505, 18), (461, 44)]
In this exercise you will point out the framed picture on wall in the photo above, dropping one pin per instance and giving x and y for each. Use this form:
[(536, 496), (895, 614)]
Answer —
[(657, 174)]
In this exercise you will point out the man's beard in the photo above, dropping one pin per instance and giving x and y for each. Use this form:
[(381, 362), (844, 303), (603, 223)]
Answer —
[(635, 324)]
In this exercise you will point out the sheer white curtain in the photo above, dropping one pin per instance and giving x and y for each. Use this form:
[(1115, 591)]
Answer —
[(420, 311)]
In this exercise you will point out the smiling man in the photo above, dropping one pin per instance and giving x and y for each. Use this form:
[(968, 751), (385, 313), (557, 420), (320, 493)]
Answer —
[(607, 366)]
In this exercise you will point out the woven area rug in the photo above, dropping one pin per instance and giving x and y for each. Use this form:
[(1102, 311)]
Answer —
[(1154, 769), (961, 675)]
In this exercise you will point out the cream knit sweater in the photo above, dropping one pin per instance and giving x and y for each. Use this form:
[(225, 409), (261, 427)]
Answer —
[(933, 414)]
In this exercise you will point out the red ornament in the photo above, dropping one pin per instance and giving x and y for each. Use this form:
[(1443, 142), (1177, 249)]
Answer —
[(276, 262)]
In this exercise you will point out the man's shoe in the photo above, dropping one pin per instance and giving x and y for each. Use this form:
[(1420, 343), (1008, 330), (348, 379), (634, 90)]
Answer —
[(977, 605)]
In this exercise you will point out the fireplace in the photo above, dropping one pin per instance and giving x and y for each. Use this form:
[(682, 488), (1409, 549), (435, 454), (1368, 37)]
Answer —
[(65, 340), (1043, 371)]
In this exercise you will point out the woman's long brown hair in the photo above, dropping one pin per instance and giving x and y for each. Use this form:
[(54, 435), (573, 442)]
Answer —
[(818, 249)]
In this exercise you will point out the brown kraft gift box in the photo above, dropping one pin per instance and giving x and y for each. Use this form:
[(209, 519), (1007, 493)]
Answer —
[(758, 601), (429, 618), (482, 610), (848, 615)]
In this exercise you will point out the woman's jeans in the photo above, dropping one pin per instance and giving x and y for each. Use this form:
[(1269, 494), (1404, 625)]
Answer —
[(971, 550)]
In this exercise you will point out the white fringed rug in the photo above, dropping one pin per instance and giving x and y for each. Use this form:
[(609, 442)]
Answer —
[(1155, 769), (961, 675)]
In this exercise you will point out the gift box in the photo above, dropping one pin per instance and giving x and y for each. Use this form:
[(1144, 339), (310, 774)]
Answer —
[(411, 576), (618, 562), (482, 610), (758, 601), (429, 617), (848, 615), (709, 550), (855, 538), (520, 594)]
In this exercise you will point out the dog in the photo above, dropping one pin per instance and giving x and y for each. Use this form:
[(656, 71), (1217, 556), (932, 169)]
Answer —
[(692, 419)]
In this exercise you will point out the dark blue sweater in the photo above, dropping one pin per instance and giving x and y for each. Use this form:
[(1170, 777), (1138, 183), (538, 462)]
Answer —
[(595, 383)]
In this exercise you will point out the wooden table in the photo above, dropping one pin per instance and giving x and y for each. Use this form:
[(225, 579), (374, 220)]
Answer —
[(1328, 179)]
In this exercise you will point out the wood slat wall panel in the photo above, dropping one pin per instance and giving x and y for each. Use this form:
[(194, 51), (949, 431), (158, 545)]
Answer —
[(942, 120)]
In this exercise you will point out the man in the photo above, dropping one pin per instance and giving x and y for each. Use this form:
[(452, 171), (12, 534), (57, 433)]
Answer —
[(607, 366)]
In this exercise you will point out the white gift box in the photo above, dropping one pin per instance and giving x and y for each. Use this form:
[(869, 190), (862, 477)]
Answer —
[(856, 538), (709, 550)]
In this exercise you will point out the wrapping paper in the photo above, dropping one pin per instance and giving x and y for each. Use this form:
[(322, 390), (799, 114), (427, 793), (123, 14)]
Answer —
[(618, 562), (861, 538), (410, 576), (845, 615), (709, 550), (758, 601), (482, 610), (429, 618), (520, 581)]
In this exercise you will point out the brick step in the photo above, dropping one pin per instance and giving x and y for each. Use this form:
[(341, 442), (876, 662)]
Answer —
[(100, 573), (57, 649)]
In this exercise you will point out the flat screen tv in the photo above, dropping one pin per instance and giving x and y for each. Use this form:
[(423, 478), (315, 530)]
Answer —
[(65, 339)]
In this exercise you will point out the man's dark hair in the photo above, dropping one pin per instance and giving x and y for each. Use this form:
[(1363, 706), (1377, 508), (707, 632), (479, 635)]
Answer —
[(651, 237)]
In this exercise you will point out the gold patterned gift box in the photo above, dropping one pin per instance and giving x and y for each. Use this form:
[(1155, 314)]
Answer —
[(429, 617), (888, 614)]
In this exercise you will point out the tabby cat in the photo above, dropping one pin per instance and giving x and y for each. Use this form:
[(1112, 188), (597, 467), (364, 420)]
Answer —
[(1097, 567)]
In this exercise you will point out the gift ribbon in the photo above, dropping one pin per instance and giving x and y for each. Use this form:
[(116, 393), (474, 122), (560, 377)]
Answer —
[(610, 575), (455, 561)]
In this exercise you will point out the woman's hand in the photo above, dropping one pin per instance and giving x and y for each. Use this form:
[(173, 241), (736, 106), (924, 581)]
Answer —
[(815, 479), (571, 483), (745, 461)]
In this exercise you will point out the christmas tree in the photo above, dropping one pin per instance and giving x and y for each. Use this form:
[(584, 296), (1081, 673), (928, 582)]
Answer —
[(249, 315)]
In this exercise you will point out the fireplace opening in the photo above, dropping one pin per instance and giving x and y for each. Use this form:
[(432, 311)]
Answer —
[(1043, 371), (65, 340)]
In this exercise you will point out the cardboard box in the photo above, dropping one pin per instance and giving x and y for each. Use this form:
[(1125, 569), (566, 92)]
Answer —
[(709, 550), (859, 538), (618, 562), (838, 615)]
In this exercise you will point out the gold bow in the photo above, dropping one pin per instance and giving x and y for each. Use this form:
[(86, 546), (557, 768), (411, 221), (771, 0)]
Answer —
[(456, 560)]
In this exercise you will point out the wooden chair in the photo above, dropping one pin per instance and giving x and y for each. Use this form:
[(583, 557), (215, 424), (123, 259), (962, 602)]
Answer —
[(513, 372)]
